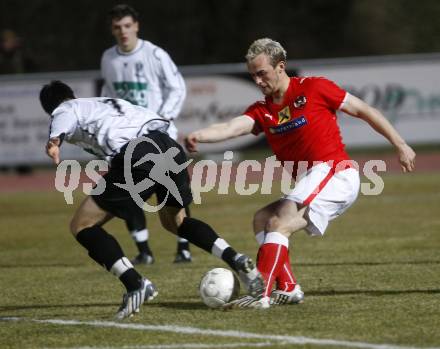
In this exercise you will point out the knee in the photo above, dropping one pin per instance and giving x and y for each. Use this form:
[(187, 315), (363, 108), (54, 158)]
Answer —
[(77, 224), (172, 219), (282, 225), (285, 225), (260, 220), (170, 226), (272, 224), (73, 227)]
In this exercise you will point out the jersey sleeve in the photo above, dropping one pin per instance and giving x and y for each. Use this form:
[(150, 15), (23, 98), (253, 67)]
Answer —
[(172, 84), (330, 93), (63, 122), (256, 112)]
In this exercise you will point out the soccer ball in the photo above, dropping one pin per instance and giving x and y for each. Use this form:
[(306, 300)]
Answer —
[(218, 287)]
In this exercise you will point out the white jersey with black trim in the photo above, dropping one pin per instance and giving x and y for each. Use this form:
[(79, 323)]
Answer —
[(146, 76), (102, 126)]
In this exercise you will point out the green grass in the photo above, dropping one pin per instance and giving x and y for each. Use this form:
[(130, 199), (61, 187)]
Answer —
[(374, 277)]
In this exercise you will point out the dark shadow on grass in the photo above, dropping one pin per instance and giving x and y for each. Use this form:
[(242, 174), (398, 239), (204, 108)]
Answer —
[(365, 263), (48, 265), (189, 305), (196, 305), (54, 306), (377, 293)]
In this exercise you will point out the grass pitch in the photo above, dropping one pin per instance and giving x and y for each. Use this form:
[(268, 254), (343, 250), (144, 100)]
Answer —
[(373, 278)]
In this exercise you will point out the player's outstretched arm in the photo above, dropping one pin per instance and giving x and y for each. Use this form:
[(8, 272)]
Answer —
[(358, 108), (53, 150), (238, 126)]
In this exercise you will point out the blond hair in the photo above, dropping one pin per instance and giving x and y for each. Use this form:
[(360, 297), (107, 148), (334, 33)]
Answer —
[(270, 48)]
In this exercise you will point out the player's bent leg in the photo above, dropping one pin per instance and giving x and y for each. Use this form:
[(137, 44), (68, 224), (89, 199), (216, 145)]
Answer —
[(203, 236), (281, 219), (104, 249), (87, 215), (262, 216), (285, 279), (171, 218), (283, 215), (286, 218)]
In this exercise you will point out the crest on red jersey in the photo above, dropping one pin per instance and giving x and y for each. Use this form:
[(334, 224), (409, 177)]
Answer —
[(300, 102), (284, 115)]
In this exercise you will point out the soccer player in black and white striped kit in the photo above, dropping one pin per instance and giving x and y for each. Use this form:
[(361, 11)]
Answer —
[(144, 74), (122, 133)]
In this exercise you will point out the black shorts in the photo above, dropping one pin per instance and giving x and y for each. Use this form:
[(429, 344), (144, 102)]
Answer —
[(165, 155)]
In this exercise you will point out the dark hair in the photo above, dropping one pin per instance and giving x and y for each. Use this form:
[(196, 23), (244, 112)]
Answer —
[(53, 94), (121, 11)]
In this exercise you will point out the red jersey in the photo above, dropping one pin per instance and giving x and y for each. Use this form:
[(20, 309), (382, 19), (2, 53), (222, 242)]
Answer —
[(303, 127)]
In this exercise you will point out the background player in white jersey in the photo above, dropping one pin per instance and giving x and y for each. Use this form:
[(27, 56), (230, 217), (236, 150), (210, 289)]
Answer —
[(144, 74), (118, 131)]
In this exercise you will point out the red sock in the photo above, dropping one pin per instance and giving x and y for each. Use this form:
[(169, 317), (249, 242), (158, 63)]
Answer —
[(272, 256), (286, 281)]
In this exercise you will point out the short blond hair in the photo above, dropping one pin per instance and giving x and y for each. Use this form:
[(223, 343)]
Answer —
[(270, 48)]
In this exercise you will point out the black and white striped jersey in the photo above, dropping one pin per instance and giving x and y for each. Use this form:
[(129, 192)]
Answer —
[(102, 126)]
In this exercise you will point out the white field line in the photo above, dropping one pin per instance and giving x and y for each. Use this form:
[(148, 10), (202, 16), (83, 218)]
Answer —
[(188, 346), (219, 333)]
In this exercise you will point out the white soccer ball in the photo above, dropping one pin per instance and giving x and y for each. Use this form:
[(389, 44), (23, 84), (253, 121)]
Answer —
[(218, 287)]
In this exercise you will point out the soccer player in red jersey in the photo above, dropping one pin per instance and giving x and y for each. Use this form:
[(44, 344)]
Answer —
[(298, 117)]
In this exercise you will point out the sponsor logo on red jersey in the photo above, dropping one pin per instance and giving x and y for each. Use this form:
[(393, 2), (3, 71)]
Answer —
[(289, 126)]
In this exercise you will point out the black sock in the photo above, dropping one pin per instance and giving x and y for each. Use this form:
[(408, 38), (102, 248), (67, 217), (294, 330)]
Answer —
[(102, 247), (182, 246), (228, 256), (198, 233), (144, 247), (131, 279), (105, 250)]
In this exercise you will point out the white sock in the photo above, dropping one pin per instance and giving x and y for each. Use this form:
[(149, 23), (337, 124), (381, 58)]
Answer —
[(179, 239), (275, 237), (219, 246), (121, 266), (140, 235)]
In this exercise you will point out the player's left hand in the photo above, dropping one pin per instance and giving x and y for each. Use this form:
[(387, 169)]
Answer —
[(407, 158), (191, 143)]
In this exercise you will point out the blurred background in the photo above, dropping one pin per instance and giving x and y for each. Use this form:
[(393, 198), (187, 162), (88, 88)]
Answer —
[(71, 35), (386, 52)]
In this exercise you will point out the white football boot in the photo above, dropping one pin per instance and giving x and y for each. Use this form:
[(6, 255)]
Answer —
[(249, 302), (296, 296), (132, 301)]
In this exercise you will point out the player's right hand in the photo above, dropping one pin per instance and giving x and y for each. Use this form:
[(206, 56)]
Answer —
[(53, 151), (191, 143)]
